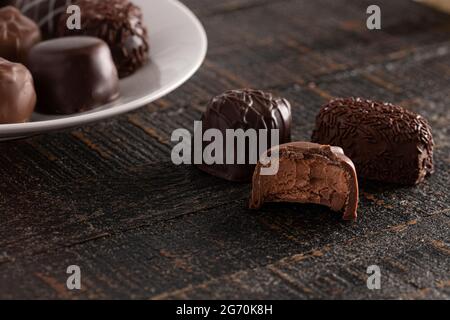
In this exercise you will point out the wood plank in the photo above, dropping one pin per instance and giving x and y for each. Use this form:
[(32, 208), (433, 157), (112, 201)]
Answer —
[(106, 196)]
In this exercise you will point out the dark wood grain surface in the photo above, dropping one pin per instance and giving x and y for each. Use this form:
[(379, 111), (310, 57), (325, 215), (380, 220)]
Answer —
[(107, 198)]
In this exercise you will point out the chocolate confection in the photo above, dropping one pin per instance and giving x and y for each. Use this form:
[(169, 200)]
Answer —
[(309, 173), (245, 109), (73, 74), (45, 13), (17, 34), (386, 142), (18, 97), (117, 22)]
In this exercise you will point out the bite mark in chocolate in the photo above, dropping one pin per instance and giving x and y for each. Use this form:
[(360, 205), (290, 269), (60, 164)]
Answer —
[(309, 173), (386, 142)]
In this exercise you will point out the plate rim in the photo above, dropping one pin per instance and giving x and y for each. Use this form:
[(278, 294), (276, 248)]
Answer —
[(34, 128)]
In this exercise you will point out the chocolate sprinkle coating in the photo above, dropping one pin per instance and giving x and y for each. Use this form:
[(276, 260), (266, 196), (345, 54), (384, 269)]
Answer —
[(245, 109), (118, 23), (386, 142)]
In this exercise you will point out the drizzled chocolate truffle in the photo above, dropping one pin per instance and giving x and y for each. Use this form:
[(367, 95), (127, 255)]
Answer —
[(18, 97), (73, 74), (245, 109), (386, 142), (45, 13), (117, 22), (308, 173), (18, 34)]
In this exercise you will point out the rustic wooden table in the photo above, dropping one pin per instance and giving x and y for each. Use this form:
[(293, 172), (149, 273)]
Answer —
[(107, 198)]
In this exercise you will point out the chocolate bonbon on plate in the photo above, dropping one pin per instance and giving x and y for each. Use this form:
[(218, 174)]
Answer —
[(45, 13), (18, 34), (386, 142), (73, 74), (308, 173), (245, 109), (17, 94), (117, 22)]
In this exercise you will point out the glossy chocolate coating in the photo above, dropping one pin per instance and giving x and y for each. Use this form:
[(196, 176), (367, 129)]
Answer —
[(18, 34), (73, 74), (45, 13), (309, 173), (18, 97), (245, 109), (386, 142), (117, 22)]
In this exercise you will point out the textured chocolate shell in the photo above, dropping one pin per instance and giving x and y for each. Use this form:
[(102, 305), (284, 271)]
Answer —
[(245, 109)]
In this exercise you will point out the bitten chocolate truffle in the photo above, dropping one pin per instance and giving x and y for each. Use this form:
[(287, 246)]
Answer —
[(18, 34), (309, 173), (117, 22), (386, 142), (45, 13), (17, 94), (73, 74), (245, 109)]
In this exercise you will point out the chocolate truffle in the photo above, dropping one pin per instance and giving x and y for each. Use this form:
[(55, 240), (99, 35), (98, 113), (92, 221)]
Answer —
[(119, 23), (18, 34), (73, 74), (18, 97), (309, 173), (45, 13), (245, 109), (386, 142)]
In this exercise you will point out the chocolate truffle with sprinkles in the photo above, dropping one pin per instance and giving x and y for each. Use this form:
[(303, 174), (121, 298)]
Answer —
[(117, 22), (386, 142)]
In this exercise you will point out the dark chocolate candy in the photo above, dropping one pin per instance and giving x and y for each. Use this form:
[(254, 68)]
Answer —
[(73, 74), (245, 109), (17, 94), (18, 34), (309, 173), (117, 22), (45, 13), (386, 142)]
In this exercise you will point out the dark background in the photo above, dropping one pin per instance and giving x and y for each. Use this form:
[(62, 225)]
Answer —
[(107, 198)]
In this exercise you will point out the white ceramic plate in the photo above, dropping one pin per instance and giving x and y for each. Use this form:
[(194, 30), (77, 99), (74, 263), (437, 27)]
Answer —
[(178, 47)]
